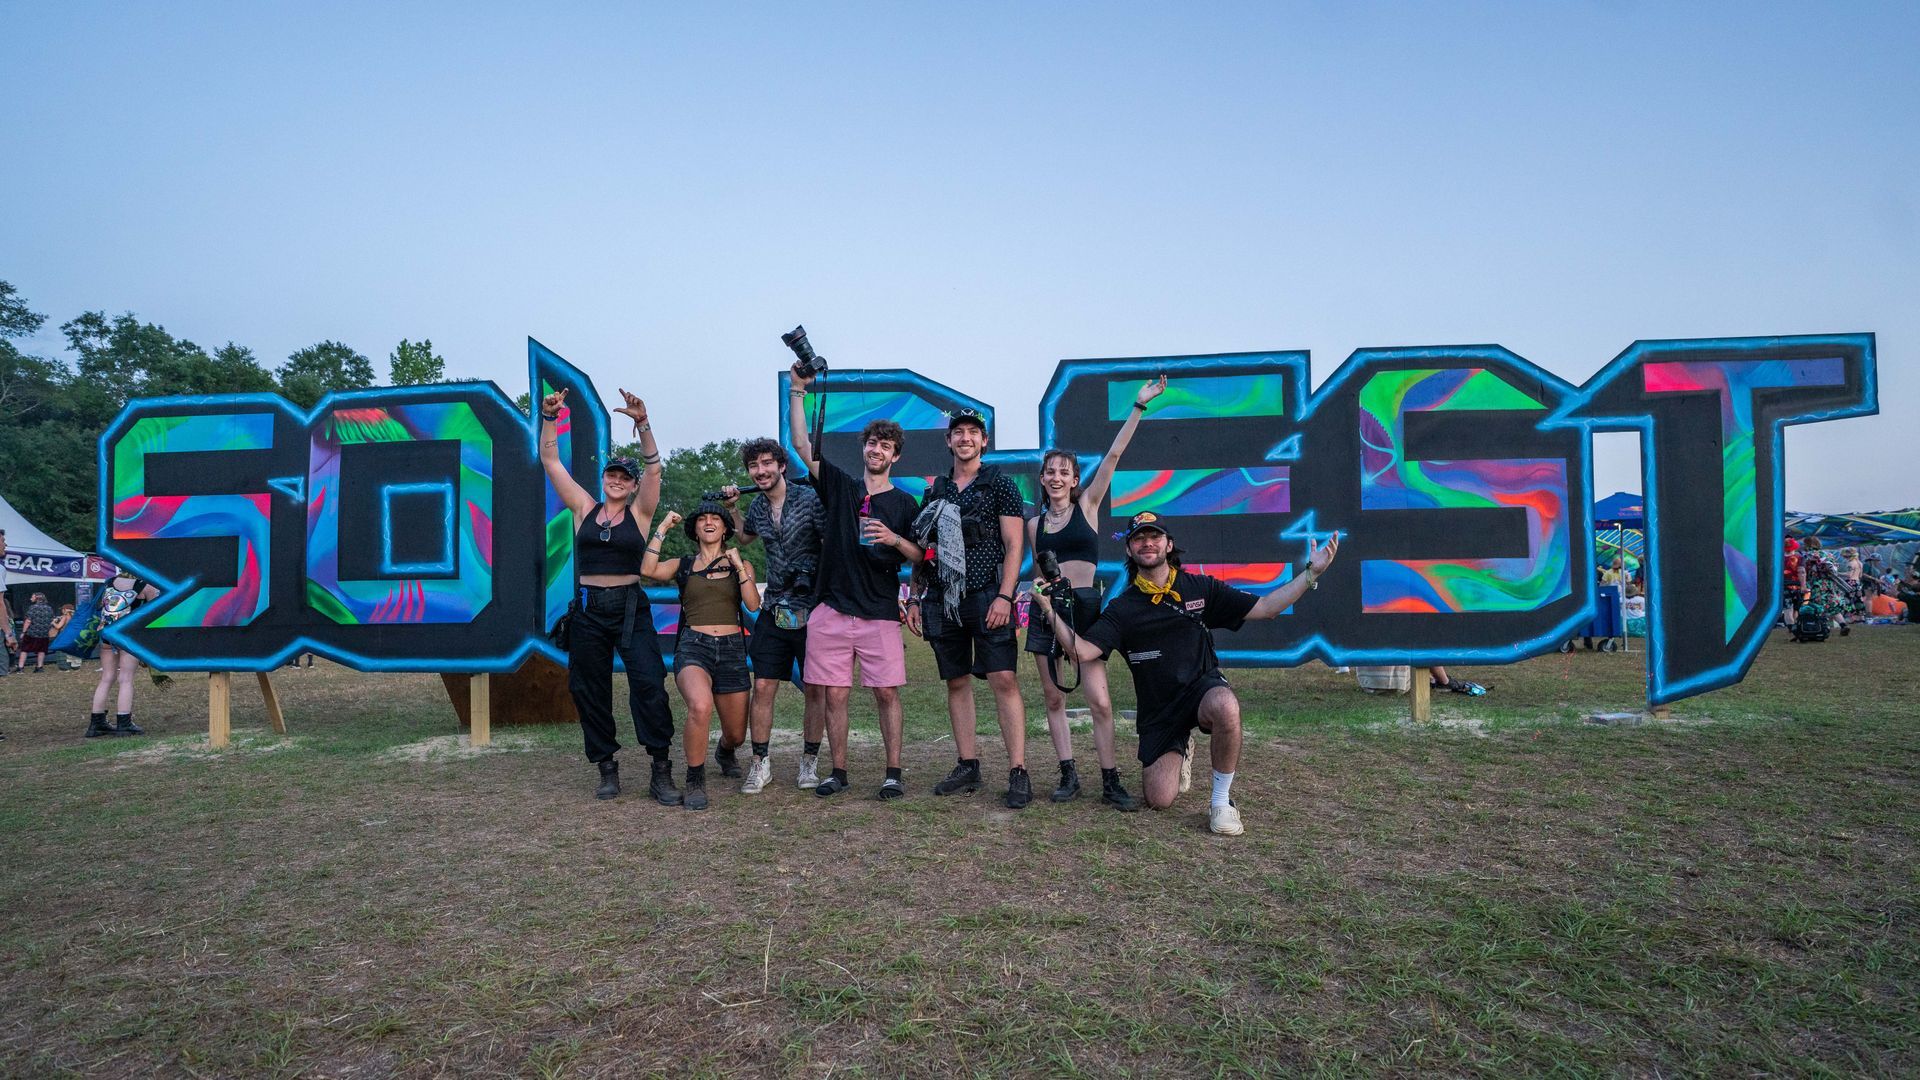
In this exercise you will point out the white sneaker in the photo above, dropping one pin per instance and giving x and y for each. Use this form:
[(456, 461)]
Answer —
[(1225, 820), (758, 774), (809, 772), (1186, 767)]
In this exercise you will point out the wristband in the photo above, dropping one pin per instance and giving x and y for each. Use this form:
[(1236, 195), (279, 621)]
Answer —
[(549, 417), (796, 393), (642, 427), (1141, 405), (1003, 596)]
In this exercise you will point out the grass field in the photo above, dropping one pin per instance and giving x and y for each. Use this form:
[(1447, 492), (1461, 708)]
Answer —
[(1510, 889)]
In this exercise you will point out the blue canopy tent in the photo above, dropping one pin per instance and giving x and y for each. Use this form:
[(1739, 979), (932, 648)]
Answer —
[(1619, 525)]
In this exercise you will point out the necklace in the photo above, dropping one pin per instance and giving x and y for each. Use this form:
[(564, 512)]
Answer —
[(1057, 517)]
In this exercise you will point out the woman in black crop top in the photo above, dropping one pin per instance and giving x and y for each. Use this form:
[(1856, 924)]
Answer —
[(1068, 526), (611, 613), (710, 654)]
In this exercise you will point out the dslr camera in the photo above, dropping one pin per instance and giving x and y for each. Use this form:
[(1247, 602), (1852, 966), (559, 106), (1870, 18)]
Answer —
[(811, 363)]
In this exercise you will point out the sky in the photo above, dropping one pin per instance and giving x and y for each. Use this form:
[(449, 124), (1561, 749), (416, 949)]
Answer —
[(978, 191)]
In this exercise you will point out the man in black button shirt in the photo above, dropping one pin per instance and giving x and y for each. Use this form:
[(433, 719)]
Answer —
[(862, 547), (966, 613), (1163, 624)]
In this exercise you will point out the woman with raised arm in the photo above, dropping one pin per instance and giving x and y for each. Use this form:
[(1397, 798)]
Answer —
[(710, 654), (1068, 528), (610, 612)]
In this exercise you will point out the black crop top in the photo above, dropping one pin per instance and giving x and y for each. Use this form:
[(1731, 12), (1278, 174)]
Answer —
[(618, 555), (1077, 542)]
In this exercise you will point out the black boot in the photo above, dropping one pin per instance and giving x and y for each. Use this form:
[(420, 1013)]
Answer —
[(1019, 788), (729, 762), (965, 777), (1069, 782), (1112, 793), (609, 780), (97, 726), (124, 725), (696, 797), (661, 786)]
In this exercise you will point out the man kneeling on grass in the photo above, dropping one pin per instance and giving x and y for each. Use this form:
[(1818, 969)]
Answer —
[(1163, 623)]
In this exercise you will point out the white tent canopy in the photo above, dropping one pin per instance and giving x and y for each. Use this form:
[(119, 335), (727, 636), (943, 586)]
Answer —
[(32, 555)]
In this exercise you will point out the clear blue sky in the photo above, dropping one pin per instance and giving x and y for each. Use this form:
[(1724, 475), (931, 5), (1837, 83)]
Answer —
[(978, 191)]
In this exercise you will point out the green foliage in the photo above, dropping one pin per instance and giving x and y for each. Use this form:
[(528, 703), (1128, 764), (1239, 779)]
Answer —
[(687, 473), (414, 363), (318, 370), (124, 358)]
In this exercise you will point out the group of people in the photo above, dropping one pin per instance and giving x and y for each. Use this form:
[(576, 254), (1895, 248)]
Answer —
[(829, 609), (1843, 587)]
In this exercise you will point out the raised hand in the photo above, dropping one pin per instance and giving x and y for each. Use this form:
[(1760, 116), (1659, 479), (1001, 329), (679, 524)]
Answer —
[(634, 409), (667, 523), (552, 403), (730, 494), (1320, 556), (801, 377), (1153, 389)]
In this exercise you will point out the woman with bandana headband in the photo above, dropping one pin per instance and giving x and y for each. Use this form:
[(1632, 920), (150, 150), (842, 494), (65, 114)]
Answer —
[(610, 612)]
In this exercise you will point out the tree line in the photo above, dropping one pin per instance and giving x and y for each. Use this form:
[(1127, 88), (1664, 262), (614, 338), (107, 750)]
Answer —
[(53, 409)]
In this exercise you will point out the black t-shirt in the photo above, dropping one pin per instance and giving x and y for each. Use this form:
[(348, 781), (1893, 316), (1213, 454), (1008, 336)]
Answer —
[(1169, 646), (855, 579), (991, 496)]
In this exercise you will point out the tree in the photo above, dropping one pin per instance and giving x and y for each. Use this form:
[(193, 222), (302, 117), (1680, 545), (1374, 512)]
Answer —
[(414, 363), (318, 370), (686, 474), (26, 382), (16, 319)]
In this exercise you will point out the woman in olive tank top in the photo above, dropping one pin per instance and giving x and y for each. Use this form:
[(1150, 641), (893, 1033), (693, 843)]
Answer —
[(710, 653)]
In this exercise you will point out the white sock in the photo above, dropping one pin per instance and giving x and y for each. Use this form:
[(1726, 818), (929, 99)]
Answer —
[(1222, 788)]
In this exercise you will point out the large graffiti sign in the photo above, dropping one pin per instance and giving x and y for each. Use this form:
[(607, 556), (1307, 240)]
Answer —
[(413, 529)]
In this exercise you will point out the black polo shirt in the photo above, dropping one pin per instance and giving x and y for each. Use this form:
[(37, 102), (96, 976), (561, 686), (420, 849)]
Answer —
[(1169, 646)]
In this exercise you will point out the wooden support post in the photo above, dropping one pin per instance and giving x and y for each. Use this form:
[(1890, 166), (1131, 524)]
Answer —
[(480, 708), (1422, 696), (1661, 712), (274, 716), (219, 708)]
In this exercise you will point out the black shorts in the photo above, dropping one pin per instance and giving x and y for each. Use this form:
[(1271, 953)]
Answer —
[(1169, 730), (1086, 609), (776, 654), (968, 647), (724, 659)]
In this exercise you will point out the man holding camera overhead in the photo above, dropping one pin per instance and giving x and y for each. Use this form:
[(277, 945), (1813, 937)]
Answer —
[(862, 547)]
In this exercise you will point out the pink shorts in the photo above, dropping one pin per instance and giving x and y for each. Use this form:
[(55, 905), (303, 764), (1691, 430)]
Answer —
[(834, 641)]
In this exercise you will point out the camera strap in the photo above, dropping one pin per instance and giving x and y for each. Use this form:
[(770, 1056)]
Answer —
[(1053, 654)]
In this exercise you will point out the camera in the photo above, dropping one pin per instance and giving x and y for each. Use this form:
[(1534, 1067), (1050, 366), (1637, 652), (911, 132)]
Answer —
[(812, 364), (1049, 564)]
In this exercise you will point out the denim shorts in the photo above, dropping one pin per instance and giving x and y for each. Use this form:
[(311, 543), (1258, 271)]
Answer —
[(723, 658)]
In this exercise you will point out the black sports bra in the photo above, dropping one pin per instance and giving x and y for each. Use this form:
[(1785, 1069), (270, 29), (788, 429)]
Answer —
[(619, 554), (1077, 542)]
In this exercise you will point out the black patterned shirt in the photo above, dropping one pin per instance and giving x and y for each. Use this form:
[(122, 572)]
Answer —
[(793, 546)]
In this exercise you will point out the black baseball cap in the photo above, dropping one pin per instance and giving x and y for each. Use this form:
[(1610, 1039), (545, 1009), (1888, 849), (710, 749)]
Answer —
[(623, 464), (1146, 521), (966, 415)]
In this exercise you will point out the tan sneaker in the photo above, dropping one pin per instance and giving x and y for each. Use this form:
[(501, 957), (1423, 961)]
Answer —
[(1225, 820), (1186, 767), (758, 774)]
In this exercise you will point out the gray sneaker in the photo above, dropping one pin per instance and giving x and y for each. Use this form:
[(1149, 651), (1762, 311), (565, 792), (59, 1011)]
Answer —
[(757, 776), (809, 772)]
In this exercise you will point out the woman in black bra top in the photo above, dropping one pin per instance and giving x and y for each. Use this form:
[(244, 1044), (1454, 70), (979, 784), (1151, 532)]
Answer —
[(1068, 526), (710, 653), (610, 612)]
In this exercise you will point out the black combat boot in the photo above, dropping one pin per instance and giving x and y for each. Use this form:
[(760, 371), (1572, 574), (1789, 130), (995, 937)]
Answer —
[(1113, 793), (1019, 788), (965, 777), (97, 726), (729, 762), (124, 725), (661, 786), (609, 780), (696, 796), (1069, 783)]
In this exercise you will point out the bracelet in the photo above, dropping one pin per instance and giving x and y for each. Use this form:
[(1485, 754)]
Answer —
[(1141, 405), (549, 417), (642, 427), (912, 600), (1003, 596), (796, 393), (653, 551), (654, 460)]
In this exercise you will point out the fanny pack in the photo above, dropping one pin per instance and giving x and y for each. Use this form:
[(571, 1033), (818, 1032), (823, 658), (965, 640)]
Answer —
[(790, 614)]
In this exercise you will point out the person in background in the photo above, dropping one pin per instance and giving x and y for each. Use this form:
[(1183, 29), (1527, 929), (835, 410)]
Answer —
[(35, 632), (1793, 590), (120, 596), (1825, 583), (6, 613)]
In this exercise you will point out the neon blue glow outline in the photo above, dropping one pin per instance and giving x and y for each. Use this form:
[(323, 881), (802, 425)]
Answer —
[(446, 565), (1850, 348), (850, 380), (294, 487), (540, 361)]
